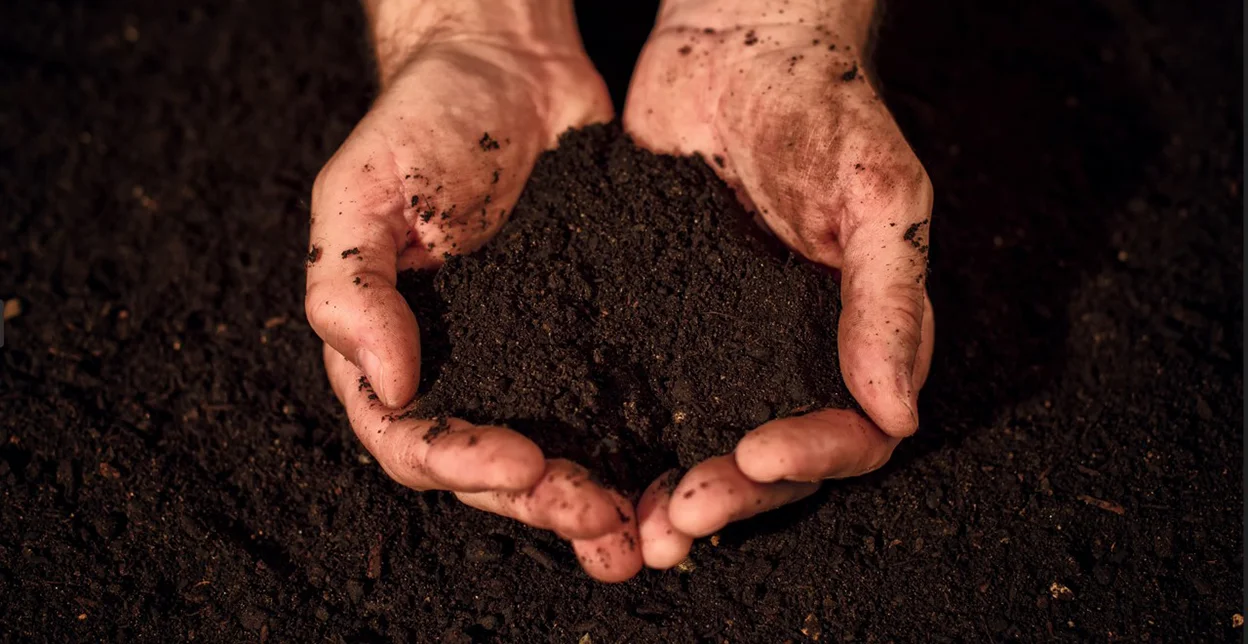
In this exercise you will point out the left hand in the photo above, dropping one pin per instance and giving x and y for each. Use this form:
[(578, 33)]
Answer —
[(798, 129)]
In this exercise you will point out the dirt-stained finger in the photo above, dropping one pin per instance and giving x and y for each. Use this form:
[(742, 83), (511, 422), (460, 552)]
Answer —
[(615, 556), (662, 545), (351, 302), (829, 443), (563, 500), (715, 492)]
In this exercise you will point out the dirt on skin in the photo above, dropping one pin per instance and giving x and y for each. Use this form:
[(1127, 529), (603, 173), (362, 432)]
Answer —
[(173, 466), (630, 316)]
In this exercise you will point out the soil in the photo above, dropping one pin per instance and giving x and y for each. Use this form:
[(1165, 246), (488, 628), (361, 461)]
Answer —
[(630, 316), (173, 466)]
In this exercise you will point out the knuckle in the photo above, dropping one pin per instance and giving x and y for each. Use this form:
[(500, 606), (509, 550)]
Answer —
[(314, 304), (890, 328), (318, 307), (399, 465), (895, 179), (905, 318), (903, 302), (876, 460), (326, 179), (925, 188), (403, 462)]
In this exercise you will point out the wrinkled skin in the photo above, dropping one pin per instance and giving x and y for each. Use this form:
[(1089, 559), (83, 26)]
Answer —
[(801, 134), (422, 147)]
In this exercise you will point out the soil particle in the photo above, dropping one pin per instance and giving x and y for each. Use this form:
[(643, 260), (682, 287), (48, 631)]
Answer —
[(314, 254), (441, 425), (539, 557), (374, 559), (488, 549), (912, 231), (487, 143), (350, 252), (628, 289), (252, 618), (851, 74)]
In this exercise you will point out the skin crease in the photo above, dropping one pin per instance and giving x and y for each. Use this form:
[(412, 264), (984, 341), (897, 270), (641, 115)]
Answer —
[(775, 95), (474, 90)]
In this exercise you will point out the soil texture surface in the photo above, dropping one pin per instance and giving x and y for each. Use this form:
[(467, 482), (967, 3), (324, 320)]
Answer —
[(173, 466), (630, 316)]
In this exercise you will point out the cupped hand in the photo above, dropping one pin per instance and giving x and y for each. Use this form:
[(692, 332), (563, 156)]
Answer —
[(432, 170), (783, 108)]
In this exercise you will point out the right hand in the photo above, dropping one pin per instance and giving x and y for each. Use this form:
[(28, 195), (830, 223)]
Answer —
[(468, 102)]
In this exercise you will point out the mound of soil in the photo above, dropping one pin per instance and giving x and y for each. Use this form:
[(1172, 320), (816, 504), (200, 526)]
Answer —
[(628, 313)]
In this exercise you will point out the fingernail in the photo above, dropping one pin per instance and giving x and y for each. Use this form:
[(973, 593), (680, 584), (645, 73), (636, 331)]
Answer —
[(371, 364), (914, 415)]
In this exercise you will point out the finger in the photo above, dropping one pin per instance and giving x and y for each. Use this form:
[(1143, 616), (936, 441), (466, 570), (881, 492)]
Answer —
[(615, 556), (563, 500), (882, 322), (352, 304), (450, 454), (715, 492), (662, 545), (830, 443)]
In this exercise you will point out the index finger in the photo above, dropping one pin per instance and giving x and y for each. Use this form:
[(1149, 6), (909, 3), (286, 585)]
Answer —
[(829, 443)]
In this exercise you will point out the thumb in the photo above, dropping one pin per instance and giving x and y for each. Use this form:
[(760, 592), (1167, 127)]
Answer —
[(352, 302), (886, 330)]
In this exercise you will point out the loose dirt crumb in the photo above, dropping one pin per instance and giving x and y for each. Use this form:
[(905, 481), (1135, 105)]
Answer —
[(440, 426)]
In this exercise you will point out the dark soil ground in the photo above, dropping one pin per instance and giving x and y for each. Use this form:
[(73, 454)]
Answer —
[(173, 466), (630, 316)]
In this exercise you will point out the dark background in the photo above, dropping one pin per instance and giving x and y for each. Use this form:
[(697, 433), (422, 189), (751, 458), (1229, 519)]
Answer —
[(173, 465)]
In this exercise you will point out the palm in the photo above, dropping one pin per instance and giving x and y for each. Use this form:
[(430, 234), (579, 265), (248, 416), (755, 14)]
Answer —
[(800, 131), (444, 170)]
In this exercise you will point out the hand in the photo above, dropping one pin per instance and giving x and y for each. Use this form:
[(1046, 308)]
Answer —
[(779, 102), (472, 92)]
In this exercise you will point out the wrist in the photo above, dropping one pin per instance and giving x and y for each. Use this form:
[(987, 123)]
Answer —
[(545, 29), (849, 22)]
